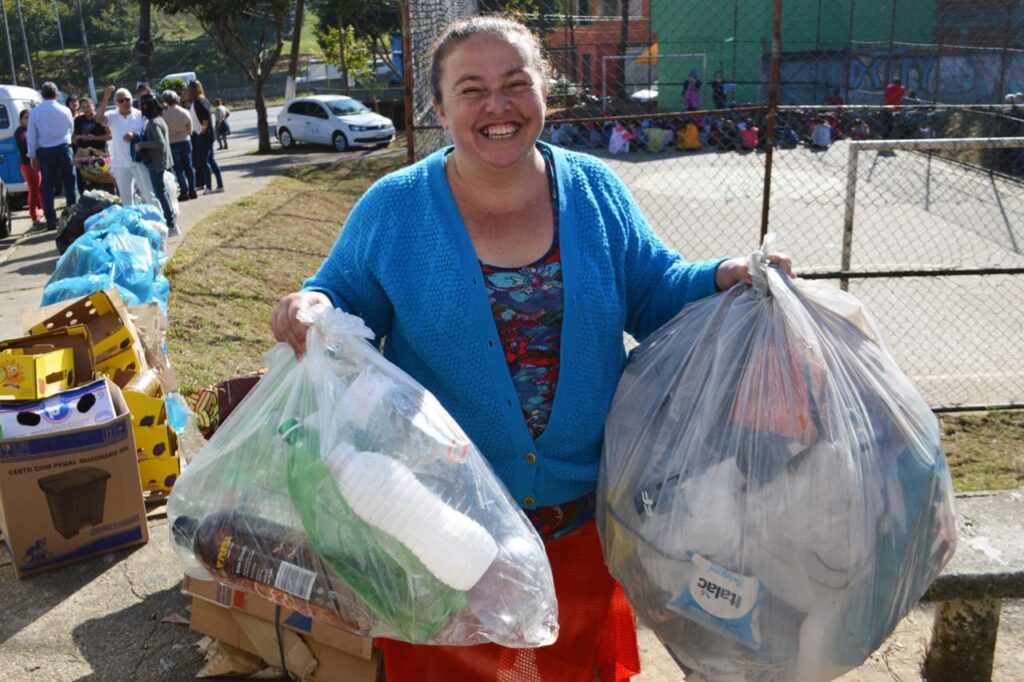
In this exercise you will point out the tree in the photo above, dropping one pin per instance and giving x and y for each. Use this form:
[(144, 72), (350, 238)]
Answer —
[(249, 33), (293, 61), (374, 21), (144, 45), (353, 55)]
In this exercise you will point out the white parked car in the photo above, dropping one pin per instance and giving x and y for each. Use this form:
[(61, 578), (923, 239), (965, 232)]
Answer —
[(339, 121)]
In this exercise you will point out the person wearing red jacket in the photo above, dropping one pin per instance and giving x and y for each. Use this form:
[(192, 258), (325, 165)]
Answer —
[(892, 97)]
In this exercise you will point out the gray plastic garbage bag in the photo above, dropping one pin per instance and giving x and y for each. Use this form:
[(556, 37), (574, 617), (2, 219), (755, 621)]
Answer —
[(773, 496)]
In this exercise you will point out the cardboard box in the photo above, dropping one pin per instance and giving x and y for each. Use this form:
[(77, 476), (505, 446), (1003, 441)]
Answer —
[(145, 397), (83, 406), (103, 314), (240, 630), (71, 495), (159, 464), (28, 374), (259, 607), (74, 338), (120, 368)]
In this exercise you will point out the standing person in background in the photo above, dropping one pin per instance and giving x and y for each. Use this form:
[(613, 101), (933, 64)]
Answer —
[(220, 119), (124, 123), (892, 97), (835, 99), (718, 91), (691, 91), (204, 138), (49, 149), (198, 168), (28, 172), (88, 134), (179, 128), (155, 150)]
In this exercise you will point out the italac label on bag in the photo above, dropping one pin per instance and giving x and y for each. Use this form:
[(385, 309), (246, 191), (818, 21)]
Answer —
[(725, 601)]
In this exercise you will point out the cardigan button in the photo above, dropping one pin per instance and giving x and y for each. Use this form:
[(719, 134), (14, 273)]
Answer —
[(530, 458), (529, 501)]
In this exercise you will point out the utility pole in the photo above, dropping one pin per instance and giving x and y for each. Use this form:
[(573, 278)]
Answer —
[(24, 41), (60, 35), (85, 46), (10, 52)]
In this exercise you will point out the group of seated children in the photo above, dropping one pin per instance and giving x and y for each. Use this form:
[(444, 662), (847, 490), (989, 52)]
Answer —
[(653, 135), (817, 130)]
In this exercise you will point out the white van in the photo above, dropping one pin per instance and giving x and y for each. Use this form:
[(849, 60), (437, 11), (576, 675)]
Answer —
[(13, 99)]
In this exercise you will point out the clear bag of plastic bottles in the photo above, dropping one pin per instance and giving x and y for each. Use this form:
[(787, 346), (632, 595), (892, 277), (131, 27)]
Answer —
[(773, 496), (341, 488)]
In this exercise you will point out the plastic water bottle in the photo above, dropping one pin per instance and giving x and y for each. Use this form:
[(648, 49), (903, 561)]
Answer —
[(406, 596)]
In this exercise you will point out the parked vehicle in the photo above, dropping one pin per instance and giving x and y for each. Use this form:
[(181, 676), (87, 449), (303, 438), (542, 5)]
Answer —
[(339, 121), (13, 99)]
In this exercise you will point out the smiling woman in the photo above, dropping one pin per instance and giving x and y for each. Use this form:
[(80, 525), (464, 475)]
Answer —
[(501, 273)]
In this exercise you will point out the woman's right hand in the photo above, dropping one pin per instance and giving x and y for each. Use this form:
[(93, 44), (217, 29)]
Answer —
[(284, 322)]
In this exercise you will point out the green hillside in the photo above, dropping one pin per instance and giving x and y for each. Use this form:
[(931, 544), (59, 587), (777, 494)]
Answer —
[(179, 45)]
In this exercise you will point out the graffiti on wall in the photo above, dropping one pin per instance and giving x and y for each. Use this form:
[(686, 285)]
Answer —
[(873, 72), (969, 77)]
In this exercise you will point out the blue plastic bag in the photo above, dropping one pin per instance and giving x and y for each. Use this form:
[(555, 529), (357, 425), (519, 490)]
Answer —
[(111, 256)]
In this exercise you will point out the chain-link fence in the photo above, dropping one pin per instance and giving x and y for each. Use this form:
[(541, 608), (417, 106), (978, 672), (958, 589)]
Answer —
[(930, 239)]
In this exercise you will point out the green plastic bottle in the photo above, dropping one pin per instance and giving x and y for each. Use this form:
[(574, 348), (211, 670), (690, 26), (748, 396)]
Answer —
[(385, 573)]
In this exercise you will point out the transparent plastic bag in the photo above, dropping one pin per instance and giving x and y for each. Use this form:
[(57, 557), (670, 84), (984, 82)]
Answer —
[(341, 488), (773, 495)]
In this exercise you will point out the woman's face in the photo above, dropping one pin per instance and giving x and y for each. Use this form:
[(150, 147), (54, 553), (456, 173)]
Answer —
[(23, 118), (492, 100)]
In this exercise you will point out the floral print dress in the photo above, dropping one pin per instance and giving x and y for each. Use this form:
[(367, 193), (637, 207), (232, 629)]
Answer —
[(527, 304)]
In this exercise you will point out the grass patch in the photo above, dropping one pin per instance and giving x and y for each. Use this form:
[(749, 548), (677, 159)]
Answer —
[(229, 274), (235, 265), (985, 450)]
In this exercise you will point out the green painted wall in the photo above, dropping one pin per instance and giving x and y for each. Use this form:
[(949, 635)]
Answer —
[(735, 36)]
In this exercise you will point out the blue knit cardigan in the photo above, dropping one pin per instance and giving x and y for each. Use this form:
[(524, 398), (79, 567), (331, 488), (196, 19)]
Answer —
[(405, 264)]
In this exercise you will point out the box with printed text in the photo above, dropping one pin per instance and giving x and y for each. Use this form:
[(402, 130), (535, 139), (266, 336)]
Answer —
[(72, 494)]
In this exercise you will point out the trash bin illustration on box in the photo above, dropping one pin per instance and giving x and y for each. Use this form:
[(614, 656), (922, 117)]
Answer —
[(75, 498)]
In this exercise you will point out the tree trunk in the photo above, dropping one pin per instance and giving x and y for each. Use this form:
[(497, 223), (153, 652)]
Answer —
[(144, 46), (293, 63), (341, 55), (262, 127)]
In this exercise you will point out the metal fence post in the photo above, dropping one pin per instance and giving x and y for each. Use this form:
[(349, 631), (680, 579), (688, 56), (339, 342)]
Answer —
[(773, 112), (851, 200)]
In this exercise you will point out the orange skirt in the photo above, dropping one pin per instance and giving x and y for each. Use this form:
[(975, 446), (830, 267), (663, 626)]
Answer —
[(597, 632)]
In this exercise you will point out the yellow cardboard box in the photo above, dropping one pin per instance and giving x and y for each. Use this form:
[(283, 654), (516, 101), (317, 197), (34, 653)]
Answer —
[(157, 450), (103, 314), (121, 367), (35, 372), (144, 395), (75, 338)]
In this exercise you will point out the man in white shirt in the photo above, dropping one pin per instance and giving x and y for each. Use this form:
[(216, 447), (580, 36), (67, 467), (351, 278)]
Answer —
[(49, 147), (131, 175)]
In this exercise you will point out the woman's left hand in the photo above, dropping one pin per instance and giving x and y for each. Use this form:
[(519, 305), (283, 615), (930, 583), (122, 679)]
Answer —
[(735, 270)]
